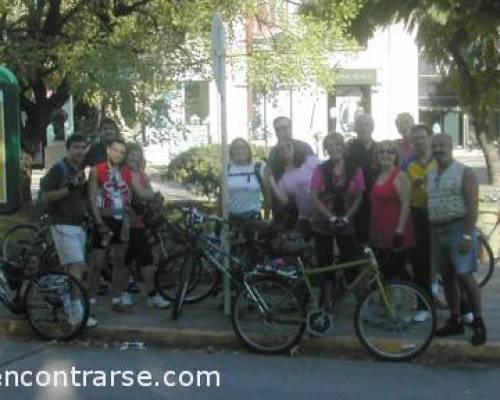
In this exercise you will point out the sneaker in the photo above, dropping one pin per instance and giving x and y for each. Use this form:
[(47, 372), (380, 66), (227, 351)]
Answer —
[(91, 322), (126, 299), (93, 301), (157, 301), (479, 332), (451, 328), (421, 316), (468, 318), (119, 307)]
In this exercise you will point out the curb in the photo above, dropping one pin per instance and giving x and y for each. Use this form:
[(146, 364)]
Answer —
[(439, 352)]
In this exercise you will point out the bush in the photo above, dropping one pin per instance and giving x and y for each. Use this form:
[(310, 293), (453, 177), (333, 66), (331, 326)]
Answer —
[(200, 168)]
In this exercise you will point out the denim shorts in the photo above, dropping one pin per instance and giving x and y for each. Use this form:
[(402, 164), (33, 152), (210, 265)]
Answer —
[(445, 248)]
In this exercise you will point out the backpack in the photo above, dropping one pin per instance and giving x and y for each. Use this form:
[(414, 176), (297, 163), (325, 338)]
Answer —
[(256, 171), (41, 202)]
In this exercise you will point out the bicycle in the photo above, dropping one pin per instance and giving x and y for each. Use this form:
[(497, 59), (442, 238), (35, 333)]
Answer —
[(54, 302), (200, 265), (486, 259), (270, 313)]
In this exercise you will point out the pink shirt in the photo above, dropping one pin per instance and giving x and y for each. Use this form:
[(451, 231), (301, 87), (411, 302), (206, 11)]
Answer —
[(296, 183)]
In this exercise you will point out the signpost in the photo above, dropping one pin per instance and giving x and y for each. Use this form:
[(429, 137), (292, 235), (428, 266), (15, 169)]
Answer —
[(219, 67)]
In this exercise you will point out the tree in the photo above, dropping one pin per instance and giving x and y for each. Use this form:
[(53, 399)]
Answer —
[(461, 36), (103, 51)]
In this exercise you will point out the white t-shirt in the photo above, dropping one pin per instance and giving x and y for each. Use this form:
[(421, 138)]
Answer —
[(245, 194)]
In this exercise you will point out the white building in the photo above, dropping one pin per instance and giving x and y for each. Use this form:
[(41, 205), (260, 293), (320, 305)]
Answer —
[(381, 78)]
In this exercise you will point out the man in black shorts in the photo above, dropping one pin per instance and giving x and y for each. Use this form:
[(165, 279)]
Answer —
[(111, 187)]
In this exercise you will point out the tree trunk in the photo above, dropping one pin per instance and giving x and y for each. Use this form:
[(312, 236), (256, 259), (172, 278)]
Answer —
[(490, 151)]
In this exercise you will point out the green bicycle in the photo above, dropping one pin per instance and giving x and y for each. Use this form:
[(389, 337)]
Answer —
[(271, 312)]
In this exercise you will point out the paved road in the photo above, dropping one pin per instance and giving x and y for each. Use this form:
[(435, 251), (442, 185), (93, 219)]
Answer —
[(241, 376)]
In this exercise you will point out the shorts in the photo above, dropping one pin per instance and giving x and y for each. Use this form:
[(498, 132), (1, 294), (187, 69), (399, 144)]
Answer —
[(139, 248), (70, 241), (445, 245), (116, 227)]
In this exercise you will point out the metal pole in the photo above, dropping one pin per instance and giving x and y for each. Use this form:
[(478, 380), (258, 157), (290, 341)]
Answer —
[(219, 55)]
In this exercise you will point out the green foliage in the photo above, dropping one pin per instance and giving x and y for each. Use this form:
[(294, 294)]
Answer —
[(200, 169)]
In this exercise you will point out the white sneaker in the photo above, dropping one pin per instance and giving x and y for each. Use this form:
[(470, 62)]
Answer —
[(75, 312), (93, 301), (91, 322), (421, 316), (157, 301), (468, 318), (126, 300)]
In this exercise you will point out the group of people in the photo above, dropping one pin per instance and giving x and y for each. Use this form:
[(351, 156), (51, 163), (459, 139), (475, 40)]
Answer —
[(112, 197), (408, 197)]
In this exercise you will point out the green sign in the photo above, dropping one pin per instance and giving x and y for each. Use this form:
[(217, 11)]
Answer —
[(10, 149), (356, 77)]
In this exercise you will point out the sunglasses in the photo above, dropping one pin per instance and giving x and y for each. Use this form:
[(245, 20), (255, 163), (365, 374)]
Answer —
[(386, 151)]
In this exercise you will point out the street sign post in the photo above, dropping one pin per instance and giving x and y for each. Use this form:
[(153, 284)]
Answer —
[(219, 68)]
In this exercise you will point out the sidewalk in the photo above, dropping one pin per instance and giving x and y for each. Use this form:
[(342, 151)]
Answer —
[(203, 325)]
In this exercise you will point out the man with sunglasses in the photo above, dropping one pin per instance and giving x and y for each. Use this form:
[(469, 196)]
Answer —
[(452, 201), (283, 129)]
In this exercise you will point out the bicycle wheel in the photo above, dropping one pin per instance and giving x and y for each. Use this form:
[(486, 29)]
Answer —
[(392, 333), (485, 261), (203, 279), (56, 306), (18, 240), (268, 315)]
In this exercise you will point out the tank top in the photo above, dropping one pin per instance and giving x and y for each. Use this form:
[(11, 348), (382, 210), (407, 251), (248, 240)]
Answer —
[(444, 193), (385, 209), (114, 187)]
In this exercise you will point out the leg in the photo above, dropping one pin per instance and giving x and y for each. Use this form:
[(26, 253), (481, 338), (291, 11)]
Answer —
[(323, 245), (97, 264), (420, 256), (120, 270)]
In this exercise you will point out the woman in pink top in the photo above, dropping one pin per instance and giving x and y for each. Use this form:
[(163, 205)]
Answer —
[(390, 226), (295, 184), (337, 191)]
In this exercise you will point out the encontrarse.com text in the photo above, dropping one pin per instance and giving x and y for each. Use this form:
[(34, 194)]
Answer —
[(99, 378)]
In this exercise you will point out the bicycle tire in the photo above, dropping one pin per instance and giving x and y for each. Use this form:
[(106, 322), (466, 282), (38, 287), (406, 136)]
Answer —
[(294, 309), (185, 278), (204, 280), (56, 290), (16, 237), (389, 344), (486, 261)]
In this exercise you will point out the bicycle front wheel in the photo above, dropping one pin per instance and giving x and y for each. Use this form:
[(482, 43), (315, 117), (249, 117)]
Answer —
[(485, 261), (56, 306), (268, 315), (387, 325)]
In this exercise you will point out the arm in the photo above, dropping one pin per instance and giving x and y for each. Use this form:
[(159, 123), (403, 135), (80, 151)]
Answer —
[(358, 198), (139, 191), (266, 194), (92, 195), (273, 186), (403, 188), (319, 206)]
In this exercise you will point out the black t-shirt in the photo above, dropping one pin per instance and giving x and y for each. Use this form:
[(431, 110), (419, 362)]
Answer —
[(276, 164), (69, 210), (95, 155)]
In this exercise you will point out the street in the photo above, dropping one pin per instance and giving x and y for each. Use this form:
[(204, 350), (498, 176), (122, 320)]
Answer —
[(232, 375)]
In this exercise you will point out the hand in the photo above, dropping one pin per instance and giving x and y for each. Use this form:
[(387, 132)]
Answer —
[(466, 244), (102, 229), (338, 222), (398, 241), (76, 182)]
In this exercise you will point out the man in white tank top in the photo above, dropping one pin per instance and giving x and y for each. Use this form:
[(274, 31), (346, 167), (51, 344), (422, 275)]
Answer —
[(452, 191)]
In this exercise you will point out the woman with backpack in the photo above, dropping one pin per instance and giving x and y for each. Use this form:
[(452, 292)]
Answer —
[(244, 182), (337, 190)]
